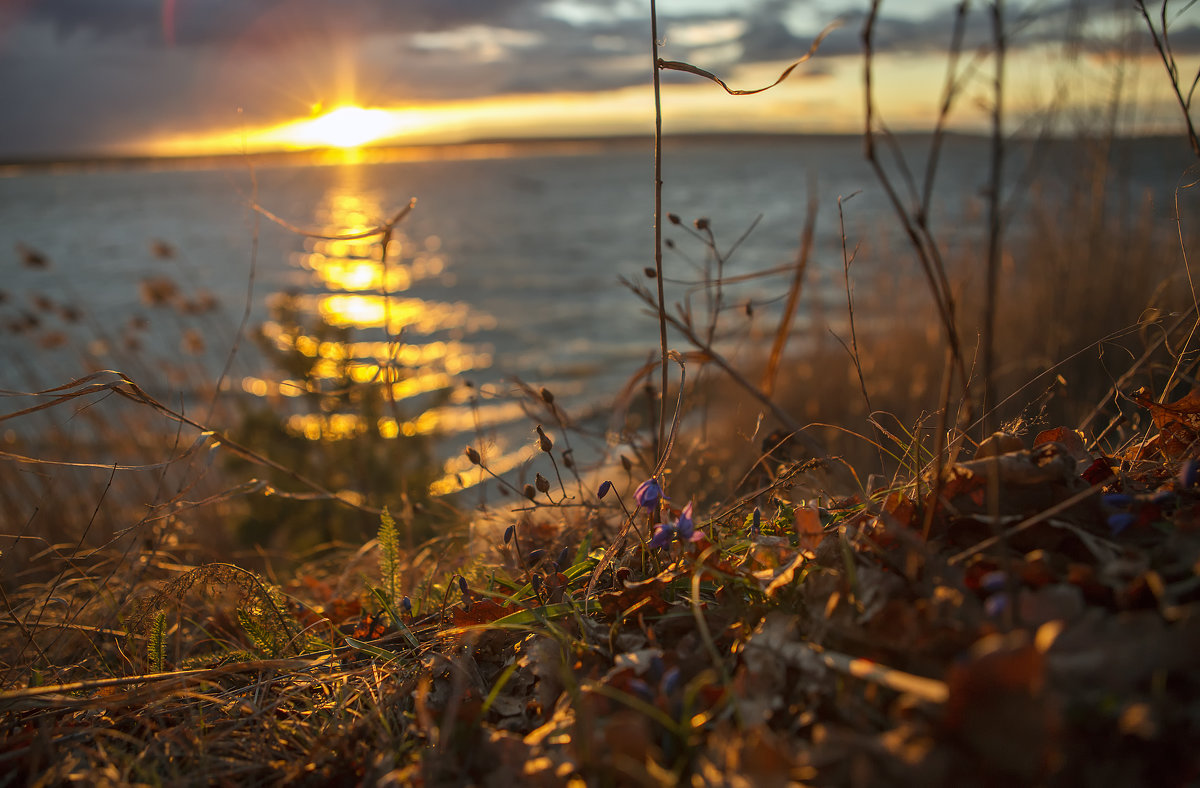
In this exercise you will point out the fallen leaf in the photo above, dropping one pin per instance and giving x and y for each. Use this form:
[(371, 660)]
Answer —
[(1178, 423)]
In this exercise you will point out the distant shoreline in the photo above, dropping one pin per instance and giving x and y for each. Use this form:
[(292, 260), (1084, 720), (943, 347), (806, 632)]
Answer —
[(471, 149)]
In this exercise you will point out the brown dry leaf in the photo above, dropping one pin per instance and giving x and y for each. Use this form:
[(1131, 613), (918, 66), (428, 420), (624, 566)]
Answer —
[(808, 527), (998, 708), (998, 443), (900, 508), (785, 576), (774, 647), (1178, 423), (754, 758), (647, 592), (1071, 439), (482, 611)]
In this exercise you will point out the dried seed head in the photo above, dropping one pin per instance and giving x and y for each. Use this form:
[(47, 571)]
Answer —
[(547, 396), (673, 218), (667, 242), (569, 458), (529, 492), (542, 483), (701, 224), (544, 442), (649, 272), (472, 455), (626, 463)]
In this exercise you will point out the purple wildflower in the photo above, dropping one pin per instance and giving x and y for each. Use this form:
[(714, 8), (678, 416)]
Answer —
[(604, 488), (648, 493), (663, 534), (685, 527)]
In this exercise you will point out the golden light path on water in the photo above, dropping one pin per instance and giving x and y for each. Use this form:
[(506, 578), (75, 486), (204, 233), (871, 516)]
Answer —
[(356, 313)]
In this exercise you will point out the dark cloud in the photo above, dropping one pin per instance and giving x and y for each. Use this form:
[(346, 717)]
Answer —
[(193, 22)]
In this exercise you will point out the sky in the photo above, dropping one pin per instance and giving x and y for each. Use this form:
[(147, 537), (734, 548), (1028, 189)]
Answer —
[(180, 77)]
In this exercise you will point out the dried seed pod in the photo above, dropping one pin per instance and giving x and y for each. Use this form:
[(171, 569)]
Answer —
[(542, 483), (701, 224), (473, 455), (547, 396), (649, 272), (626, 463), (544, 442), (529, 492), (673, 218)]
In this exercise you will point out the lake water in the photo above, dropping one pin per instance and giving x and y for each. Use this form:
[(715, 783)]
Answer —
[(508, 266)]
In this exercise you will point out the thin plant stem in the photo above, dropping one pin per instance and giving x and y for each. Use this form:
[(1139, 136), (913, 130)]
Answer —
[(995, 228), (658, 255)]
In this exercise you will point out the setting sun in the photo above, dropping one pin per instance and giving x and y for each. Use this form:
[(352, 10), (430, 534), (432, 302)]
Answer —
[(345, 127)]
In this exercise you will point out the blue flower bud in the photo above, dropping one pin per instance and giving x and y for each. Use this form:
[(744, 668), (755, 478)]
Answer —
[(535, 556), (671, 681), (1117, 500), (996, 580), (406, 604), (642, 689), (603, 491), (1189, 474), (996, 604), (1163, 498), (509, 532), (563, 557), (1120, 521)]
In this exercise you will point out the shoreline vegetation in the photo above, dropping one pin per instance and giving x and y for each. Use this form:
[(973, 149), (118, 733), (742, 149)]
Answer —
[(954, 541)]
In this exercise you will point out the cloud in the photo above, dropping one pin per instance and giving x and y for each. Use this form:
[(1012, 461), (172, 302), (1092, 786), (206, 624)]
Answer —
[(88, 73), (198, 22)]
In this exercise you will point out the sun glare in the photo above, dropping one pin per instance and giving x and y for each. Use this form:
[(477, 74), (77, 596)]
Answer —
[(346, 127)]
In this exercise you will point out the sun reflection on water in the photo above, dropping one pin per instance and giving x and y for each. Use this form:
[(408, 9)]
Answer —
[(356, 323)]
